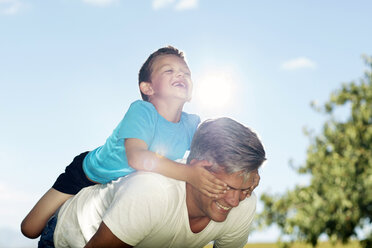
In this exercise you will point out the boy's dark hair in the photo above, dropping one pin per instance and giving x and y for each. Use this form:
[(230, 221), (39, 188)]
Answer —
[(144, 74)]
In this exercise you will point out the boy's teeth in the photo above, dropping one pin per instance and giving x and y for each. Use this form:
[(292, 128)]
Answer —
[(179, 84)]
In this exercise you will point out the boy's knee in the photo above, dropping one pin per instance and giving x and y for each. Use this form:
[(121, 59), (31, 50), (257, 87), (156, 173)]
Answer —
[(28, 230)]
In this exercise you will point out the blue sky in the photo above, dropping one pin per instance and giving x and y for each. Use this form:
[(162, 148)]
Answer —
[(68, 72)]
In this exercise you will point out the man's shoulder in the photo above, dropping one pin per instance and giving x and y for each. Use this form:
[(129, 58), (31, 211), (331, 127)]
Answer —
[(151, 188), (152, 176), (149, 180)]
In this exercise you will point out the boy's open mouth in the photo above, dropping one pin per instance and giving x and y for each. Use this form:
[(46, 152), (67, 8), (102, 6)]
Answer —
[(179, 84)]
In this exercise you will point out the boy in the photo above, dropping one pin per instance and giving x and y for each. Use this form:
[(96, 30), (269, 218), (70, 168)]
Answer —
[(152, 134)]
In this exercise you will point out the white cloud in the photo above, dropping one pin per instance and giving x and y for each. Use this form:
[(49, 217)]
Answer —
[(158, 4), (100, 3), (11, 7), (186, 4), (176, 4), (298, 63)]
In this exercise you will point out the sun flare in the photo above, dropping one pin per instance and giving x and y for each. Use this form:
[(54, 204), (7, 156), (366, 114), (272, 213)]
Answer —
[(214, 90)]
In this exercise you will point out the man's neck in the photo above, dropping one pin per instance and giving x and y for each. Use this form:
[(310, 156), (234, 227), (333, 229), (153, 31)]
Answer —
[(197, 219), (198, 224), (170, 110)]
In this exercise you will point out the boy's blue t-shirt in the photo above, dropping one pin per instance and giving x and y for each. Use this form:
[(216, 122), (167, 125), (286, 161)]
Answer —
[(142, 121)]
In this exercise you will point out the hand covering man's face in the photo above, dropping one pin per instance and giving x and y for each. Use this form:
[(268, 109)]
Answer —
[(218, 209)]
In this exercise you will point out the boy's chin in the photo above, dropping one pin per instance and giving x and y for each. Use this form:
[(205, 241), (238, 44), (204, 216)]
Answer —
[(187, 98), (184, 99)]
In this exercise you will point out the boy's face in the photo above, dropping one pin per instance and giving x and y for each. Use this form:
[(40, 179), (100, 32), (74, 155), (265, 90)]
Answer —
[(170, 78)]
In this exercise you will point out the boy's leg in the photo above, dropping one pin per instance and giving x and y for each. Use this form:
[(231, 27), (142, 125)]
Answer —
[(46, 239), (67, 184), (35, 221)]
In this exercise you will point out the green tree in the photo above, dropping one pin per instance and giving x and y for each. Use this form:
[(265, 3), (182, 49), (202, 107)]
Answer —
[(338, 198)]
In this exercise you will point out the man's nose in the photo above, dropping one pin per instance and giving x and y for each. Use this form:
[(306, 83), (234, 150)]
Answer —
[(232, 197)]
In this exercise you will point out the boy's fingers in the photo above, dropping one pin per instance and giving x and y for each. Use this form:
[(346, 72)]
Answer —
[(247, 193), (214, 182), (217, 188), (218, 183), (213, 190), (219, 196), (208, 194)]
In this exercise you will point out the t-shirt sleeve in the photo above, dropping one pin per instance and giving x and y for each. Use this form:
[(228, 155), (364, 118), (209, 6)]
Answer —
[(136, 210), (237, 235), (138, 122), (192, 122)]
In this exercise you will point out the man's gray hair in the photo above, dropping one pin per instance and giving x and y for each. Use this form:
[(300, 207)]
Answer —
[(227, 144)]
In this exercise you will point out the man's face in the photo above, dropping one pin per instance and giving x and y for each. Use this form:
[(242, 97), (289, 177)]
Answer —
[(218, 209)]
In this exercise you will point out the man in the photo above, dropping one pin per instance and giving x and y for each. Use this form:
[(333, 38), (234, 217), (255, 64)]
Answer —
[(149, 210)]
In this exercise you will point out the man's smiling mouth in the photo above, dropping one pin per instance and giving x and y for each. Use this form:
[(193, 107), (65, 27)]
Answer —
[(222, 207)]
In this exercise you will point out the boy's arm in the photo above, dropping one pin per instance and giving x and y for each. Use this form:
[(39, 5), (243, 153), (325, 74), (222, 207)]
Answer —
[(140, 158)]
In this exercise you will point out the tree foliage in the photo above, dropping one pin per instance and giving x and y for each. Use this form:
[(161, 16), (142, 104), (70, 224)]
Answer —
[(339, 162)]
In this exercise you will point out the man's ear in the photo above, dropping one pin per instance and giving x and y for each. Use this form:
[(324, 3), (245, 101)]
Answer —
[(146, 88)]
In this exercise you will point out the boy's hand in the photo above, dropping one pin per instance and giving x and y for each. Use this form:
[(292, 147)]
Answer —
[(255, 177), (205, 181)]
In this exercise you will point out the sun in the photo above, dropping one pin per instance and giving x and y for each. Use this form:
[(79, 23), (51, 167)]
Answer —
[(214, 90)]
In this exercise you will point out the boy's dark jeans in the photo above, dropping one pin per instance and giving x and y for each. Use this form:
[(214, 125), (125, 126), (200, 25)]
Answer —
[(46, 238)]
